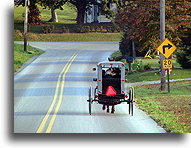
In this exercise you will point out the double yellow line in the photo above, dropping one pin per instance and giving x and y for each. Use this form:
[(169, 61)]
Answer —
[(59, 86)]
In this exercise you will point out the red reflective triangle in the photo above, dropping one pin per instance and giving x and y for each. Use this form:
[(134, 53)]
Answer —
[(110, 91)]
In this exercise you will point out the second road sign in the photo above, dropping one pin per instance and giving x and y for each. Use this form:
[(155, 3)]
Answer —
[(167, 64), (166, 48)]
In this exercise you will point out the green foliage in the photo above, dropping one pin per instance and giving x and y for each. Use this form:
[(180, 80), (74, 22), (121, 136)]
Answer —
[(147, 67), (184, 57), (125, 46), (80, 29), (106, 7), (153, 56), (117, 55), (137, 65), (56, 4), (111, 29), (65, 29), (184, 52), (84, 29), (47, 28), (186, 36)]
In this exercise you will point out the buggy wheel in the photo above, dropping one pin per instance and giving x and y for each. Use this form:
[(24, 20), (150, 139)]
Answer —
[(90, 106), (131, 107), (131, 96), (129, 102), (90, 101), (132, 100)]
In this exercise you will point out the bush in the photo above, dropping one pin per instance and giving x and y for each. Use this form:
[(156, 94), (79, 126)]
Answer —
[(125, 46), (96, 28), (147, 67), (153, 56), (110, 29), (117, 55), (47, 28), (137, 65), (75, 29), (184, 57), (84, 29), (65, 29), (79, 29), (101, 28)]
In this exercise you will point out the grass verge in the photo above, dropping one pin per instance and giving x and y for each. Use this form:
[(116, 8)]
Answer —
[(170, 110), (20, 56), (70, 37), (155, 75)]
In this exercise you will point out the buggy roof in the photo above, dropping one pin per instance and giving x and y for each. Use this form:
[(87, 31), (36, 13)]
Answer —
[(112, 63)]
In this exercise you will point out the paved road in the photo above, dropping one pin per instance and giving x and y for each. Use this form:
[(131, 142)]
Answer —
[(50, 93)]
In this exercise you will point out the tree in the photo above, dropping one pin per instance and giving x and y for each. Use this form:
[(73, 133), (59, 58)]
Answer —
[(34, 13), (109, 13), (184, 57), (141, 17), (34, 17), (53, 5)]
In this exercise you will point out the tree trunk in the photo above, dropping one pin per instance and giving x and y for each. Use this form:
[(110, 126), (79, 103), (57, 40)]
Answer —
[(133, 48), (54, 17), (80, 15)]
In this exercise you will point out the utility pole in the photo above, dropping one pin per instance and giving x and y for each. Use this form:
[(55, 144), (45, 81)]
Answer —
[(162, 38), (26, 24)]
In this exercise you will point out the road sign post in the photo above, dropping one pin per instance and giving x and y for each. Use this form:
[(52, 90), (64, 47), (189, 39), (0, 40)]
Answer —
[(167, 64), (166, 48), (168, 78), (26, 24)]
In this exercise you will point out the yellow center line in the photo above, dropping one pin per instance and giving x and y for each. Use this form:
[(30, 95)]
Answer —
[(60, 99), (42, 125)]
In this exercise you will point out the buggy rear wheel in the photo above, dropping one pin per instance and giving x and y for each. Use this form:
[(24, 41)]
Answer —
[(131, 98), (90, 101)]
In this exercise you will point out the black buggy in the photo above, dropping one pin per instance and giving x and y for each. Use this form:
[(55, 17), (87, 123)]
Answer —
[(110, 89)]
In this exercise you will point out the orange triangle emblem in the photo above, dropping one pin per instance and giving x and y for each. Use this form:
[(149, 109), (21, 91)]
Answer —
[(110, 91)]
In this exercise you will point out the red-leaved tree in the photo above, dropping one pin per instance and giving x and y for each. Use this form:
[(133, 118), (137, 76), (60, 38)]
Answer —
[(140, 21)]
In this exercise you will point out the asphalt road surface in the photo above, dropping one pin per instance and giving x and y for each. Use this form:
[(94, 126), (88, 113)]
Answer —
[(50, 93)]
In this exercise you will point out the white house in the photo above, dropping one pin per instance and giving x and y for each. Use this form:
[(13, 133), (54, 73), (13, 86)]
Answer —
[(93, 14)]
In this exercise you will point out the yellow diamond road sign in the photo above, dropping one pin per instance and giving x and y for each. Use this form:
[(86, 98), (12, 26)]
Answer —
[(166, 48)]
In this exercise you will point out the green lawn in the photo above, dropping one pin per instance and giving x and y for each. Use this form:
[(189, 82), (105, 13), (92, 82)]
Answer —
[(67, 16), (171, 110), (20, 56)]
